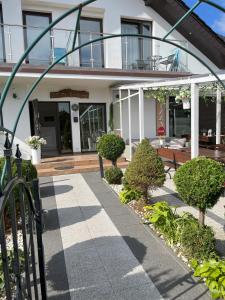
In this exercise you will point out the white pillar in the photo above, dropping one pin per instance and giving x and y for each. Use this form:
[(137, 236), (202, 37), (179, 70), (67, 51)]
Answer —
[(141, 114), (167, 117), (129, 124), (194, 120), (218, 116), (121, 114)]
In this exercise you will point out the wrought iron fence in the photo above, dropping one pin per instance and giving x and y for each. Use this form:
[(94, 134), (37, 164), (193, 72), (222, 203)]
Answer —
[(22, 271)]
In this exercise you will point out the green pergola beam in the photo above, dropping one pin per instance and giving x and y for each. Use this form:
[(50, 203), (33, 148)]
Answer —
[(183, 18), (214, 4), (35, 84), (34, 43)]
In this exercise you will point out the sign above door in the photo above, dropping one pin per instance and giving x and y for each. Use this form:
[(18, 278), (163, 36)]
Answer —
[(69, 93)]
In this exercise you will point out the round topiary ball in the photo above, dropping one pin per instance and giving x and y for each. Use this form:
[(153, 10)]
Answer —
[(114, 175), (111, 147), (200, 183)]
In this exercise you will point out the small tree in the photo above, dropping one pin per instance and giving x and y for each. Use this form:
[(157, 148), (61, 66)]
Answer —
[(111, 147), (146, 170), (200, 183)]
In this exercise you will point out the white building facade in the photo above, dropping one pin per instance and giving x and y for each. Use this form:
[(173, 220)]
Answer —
[(71, 106)]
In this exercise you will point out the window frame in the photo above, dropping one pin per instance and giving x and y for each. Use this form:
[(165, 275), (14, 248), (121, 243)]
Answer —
[(3, 34), (32, 13), (101, 34), (140, 24)]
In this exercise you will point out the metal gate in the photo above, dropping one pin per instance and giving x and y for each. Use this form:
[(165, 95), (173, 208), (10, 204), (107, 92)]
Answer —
[(22, 258), (22, 266)]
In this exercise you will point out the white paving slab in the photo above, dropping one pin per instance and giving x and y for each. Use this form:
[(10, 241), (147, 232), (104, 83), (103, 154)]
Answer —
[(99, 263)]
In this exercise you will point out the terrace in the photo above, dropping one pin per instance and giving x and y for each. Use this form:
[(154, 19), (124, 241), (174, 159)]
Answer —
[(138, 54)]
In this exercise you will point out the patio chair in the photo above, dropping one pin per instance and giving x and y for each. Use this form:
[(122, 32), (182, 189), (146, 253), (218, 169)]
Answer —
[(172, 61), (59, 52)]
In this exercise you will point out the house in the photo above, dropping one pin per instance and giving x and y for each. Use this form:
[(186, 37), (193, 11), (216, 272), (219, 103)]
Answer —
[(71, 105)]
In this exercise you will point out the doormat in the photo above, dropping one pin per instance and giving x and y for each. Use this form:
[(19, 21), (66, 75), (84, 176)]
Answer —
[(64, 168)]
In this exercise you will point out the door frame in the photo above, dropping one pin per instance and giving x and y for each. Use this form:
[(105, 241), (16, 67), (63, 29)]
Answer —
[(58, 140), (105, 112)]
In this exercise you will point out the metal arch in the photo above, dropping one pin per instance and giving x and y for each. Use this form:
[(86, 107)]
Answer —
[(101, 39), (79, 9)]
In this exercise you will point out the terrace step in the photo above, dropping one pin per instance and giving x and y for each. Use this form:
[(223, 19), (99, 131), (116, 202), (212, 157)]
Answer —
[(74, 164), (73, 169)]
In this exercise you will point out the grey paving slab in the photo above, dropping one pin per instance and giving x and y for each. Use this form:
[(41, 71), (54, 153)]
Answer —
[(56, 276), (99, 262), (172, 278)]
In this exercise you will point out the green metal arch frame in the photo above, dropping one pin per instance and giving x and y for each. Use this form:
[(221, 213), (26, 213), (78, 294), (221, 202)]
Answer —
[(79, 9), (101, 39)]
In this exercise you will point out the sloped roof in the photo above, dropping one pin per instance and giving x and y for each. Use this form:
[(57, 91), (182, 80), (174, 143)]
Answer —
[(192, 28)]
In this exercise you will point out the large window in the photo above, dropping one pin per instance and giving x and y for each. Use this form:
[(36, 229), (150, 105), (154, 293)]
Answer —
[(136, 52), (34, 23), (2, 44), (91, 56)]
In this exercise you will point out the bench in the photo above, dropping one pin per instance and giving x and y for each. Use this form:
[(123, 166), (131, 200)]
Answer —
[(173, 158)]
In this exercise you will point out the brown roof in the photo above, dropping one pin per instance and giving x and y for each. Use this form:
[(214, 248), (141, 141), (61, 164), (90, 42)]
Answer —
[(192, 28)]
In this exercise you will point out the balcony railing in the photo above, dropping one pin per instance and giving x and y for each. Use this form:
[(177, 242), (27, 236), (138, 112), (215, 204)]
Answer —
[(129, 53)]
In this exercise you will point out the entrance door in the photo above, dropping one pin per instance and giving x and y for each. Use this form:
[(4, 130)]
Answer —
[(49, 128), (51, 120), (92, 125)]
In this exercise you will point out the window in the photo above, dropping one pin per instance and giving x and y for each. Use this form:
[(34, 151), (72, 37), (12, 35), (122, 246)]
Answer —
[(91, 56), (34, 23), (136, 52), (2, 41)]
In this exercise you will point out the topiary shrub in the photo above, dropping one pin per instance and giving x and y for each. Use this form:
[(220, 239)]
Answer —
[(200, 183), (114, 175), (146, 170), (111, 147)]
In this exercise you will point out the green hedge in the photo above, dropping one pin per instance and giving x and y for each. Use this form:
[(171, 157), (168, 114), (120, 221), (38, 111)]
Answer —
[(185, 232)]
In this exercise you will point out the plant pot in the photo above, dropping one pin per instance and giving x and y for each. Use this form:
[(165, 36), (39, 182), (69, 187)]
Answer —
[(36, 156), (186, 104)]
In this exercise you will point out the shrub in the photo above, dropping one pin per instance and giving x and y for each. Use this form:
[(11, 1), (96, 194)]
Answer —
[(114, 175), (146, 170), (199, 183), (163, 217), (111, 147), (213, 273), (194, 240), (128, 194), (28, 169), (197, 241)]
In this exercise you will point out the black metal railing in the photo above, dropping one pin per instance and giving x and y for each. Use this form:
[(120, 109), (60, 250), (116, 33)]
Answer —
[(22, 271)]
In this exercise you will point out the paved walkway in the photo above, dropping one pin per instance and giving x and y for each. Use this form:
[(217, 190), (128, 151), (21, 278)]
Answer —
[(97, 248)]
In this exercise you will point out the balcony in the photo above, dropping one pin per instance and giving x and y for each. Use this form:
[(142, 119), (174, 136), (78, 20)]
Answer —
[(126, 53)]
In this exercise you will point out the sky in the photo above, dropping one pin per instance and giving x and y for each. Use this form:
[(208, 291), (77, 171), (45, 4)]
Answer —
[(212, 16)]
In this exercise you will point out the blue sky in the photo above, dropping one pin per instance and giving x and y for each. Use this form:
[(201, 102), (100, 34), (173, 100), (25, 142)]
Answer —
[(212, 16)]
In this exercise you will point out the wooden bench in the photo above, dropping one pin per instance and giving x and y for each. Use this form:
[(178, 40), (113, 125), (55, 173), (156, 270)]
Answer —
[(173, 158)]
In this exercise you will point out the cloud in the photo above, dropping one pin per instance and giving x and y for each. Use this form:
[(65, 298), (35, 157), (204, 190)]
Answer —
[(219, 25)]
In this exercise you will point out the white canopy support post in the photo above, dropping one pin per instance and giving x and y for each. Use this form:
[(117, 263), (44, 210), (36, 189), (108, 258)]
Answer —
[(129, 124), (194, 120), (121, 114), (218, 115), (141, 114)]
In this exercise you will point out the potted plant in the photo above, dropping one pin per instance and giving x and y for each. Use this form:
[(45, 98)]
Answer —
[(35, 143), (184, 96)]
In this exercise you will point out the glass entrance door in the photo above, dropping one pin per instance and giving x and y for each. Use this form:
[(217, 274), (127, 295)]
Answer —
[(92, 125), (52, 121)]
